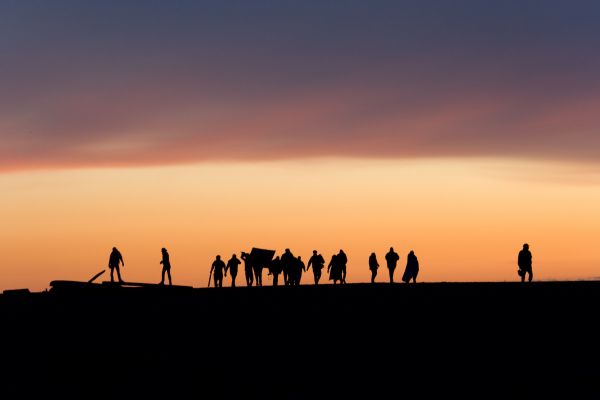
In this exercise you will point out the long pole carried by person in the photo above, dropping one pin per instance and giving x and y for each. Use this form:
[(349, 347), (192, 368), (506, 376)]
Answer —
[(209, 276)]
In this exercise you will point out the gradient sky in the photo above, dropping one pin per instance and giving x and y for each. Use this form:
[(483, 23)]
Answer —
[(439, 125)]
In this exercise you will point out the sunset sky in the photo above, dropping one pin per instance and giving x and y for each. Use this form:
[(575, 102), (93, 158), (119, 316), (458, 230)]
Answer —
[(457, 129)]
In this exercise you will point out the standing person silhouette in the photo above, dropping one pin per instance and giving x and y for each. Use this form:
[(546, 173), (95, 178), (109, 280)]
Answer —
[(318, 263), (232, 266), (335, 269), (275, 268), (343, 260), (525, 261), (113, 263), (217, 268), (248, 271), (373, 265), (412, 268), (166, 263), (392, 260), (299, 267)]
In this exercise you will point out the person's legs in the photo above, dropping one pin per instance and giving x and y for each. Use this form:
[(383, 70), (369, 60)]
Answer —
[(233, 280), (530, 272), (373, 274), (119, 273), (112, 274), (162, 280), (169, 275), (391, 275)]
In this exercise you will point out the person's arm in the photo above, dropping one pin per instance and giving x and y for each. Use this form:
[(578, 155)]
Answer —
[(121, 257)]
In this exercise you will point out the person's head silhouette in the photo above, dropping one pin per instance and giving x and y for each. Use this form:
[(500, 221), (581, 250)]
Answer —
[(315, 252), (218, 257), (391, 249), (114, 249), (233, 256), (287, 251), (526, 246)]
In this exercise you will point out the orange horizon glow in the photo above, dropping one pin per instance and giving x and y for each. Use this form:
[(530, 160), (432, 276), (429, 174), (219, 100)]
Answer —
[(466, 219)]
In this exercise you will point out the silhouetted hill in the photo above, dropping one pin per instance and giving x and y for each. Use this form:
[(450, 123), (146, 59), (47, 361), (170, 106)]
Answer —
[(373, 341)]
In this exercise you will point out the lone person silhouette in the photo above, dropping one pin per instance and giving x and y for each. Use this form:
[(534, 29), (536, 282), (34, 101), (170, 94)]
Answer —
[(113, 263), (373, 265), (166, 263), (232, 266), (412, 268), (524, 262), (217, 270), (392, 260), (318, 263)]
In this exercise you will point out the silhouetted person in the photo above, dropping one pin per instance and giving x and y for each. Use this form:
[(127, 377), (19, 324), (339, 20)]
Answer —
[(258, 269), (392, 260), (335, 269), (343, 260), (248, 270), (318, 263), (373, 265), (166, 263), (525, 261), (299, 268), (113, 263), (412, 268), (232, 266), (217, 268), (275, 268), (287, 265)]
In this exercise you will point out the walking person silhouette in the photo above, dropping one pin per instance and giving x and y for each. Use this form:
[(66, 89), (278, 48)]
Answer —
[(373, 265), (524, 261), (318, 263), (232, 266), (113, 263), (412, 268), (166, 263), (217, 271), (392, 260)]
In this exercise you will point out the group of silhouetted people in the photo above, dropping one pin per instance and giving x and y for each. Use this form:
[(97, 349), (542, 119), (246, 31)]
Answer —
[(410, 272), (292, 267)]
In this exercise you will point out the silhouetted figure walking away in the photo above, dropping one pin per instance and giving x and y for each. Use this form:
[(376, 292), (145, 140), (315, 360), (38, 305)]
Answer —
[(232, 266), (392, 260), (525, 261), (373, 265), (217, 271), (166, 263), (412, 268), (248, 270), (343, 260), (318, 263), (113, 263)]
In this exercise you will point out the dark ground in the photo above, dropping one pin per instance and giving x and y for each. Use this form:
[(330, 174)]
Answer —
[(455, 340)]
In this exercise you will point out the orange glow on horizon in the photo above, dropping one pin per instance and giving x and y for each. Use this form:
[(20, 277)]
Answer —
[(465, 220)]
